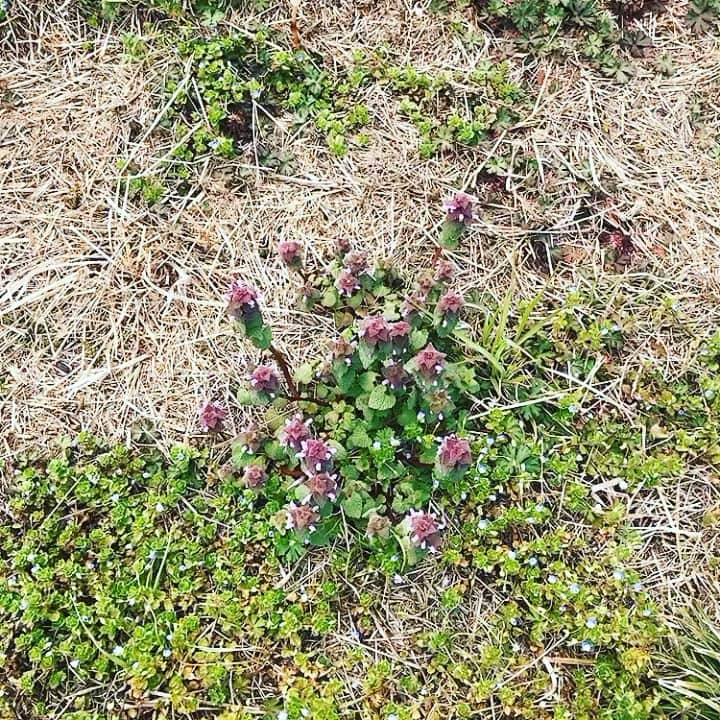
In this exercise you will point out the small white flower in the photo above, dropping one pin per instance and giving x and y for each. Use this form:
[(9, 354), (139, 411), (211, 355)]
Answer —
[(552, 579), (638, 587), (282, 715), (591, 622), (619, 574), (118, 650), (159, 507), (74, 664), (482, 524), (574, 588), (586, 646), (398, 579)]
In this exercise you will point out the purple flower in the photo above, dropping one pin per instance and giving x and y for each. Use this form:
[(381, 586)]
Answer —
[(460, 208), (399, 330), (356, 262), (374, 329), (254, 476), (395, 374), (242, 300), (322, 487), (454, 453), (451, 303), (430, 362), (424, 529), (212, 415), (411, 305), (295, 433), (445, 271), (347, 283), (301, 517), (265, 378), (290, 253), (317, 454)]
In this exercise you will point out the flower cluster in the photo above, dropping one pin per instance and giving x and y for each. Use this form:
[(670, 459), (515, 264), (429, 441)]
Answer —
[(265, 379), (424, 529), (242, 301), (212, 416), (454, 453), (355, 265), (290, 254), (460, 208)]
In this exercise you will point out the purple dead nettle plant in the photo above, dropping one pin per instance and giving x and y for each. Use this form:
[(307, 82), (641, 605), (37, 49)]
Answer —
[(445, 271), (460, 208), (430, 363), (291, 254), (212, 415), (424, 530), (302, 517), (265, 379), (255, 476), (295, 432), (316, 455), (454, 454), (242, 300), (347, 283)]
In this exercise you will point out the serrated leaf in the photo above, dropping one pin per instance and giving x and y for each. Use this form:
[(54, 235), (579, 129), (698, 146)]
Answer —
[(353, 505), (450, 234), (330, 297), (418, 339), (366, 353), (381, 399), (304, 374), (359, 438), (367, 381)]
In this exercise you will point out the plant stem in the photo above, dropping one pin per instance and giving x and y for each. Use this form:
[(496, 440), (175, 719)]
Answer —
[(285, 369)]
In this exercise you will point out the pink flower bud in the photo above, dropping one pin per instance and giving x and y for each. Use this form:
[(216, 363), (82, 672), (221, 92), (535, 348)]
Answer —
[(301, 517), (454, 453), (290, 253), (424, 529), (399, 330), (254, 476), (212, 415), (347, 283), (451, 303), (265, 379), (374, 329), (430, 362), (322, 487), (242, 300), (460, 208), (445, 271), (316, 455), (295, 432)]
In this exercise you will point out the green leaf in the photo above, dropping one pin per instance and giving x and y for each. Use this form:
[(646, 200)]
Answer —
[(366, 353), (353, 505), (380, 399), (418, 339), (304, 374), (330, 298), (450, 234), (367, 381), (261, 336), (359, 438)]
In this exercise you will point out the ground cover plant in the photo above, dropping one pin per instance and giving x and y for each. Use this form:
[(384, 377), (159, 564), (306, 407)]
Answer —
[(337, 448), (155, 577)]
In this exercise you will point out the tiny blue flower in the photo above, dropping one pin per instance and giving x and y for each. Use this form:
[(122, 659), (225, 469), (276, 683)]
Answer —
[(591, 622), (619, 574), (574, 588), (586, 646), (637, 587), (552, 579)]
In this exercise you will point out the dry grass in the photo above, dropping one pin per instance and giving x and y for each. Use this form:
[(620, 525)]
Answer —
[(112, 315)]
